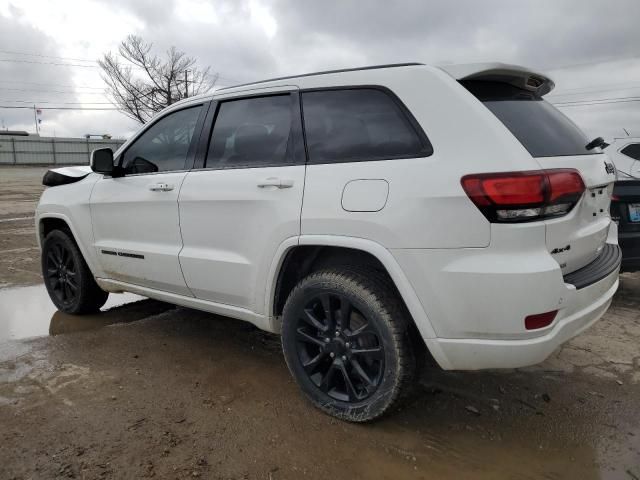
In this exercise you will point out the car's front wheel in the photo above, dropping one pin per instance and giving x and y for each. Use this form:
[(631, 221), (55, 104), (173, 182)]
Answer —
[(345, 338), (67, 277)]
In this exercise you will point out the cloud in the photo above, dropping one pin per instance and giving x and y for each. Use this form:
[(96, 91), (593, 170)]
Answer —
[(252, 39), (21, 81)]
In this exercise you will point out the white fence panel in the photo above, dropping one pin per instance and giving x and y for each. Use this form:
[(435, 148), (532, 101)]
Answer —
[(50, 151)]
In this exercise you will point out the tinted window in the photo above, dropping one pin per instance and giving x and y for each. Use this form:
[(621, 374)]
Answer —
[(541, 128), (357, 124), (164, 146), (632, 150), (251, 131)]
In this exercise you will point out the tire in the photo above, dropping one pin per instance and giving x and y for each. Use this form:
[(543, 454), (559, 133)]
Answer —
[(69, 281), (354, 370)]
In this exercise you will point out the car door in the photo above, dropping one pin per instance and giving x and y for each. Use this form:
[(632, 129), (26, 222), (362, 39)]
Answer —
[(135, 216), (245, 201)]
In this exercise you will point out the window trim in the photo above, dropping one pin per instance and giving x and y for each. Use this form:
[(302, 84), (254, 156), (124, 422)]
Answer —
[(295, 148), (427, 147), (189, 159)]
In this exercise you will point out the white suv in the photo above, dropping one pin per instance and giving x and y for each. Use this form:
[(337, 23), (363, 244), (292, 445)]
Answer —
[(371, 216)]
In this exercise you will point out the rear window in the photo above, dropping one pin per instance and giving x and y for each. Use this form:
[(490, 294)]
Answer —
[(358, 125), (541, 128), (632, 150)]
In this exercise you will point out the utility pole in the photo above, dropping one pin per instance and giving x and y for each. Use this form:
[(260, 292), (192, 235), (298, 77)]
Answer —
[(186, 84), (35, 119)]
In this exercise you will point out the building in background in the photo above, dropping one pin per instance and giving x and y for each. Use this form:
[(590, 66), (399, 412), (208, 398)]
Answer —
[(22, 148)]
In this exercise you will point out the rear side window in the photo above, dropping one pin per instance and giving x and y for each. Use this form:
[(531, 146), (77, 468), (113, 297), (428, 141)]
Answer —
[(251, 132), (632, 150), (357, 125), (541, 128)]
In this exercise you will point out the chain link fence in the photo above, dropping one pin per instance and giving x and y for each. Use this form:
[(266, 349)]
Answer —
[(51, 151)]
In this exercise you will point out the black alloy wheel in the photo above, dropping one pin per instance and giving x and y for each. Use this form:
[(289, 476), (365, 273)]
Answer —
[(69, 281), (339, 349), (61, 273), (346, 338)]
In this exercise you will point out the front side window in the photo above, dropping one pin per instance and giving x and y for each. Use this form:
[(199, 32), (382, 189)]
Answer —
[(251, 132), (164, 146), (356, 125), (632, 150)]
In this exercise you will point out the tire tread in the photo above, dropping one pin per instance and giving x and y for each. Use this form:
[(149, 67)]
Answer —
[(381, 294)]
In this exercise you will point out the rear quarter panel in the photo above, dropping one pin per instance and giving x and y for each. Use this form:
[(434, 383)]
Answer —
[(426, 205)]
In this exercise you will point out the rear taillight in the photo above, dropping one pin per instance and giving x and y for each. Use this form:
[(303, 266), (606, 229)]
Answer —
[(524, 196)]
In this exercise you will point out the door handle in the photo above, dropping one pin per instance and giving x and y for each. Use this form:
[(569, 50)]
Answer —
[(160, 187), (276, 182)]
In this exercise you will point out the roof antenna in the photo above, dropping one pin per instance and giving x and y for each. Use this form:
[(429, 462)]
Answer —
[(625, 131)]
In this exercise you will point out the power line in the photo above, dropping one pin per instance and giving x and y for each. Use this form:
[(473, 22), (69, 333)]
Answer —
[(38, 102), (594, 91), (596, 100), (57, 64), (621, 86), (585, 104), (55, 108), (9, 52), (62, 92), (52, 84), (9, 60), (595, 62)]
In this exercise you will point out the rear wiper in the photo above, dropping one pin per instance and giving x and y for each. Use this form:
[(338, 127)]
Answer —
[(596, 142)]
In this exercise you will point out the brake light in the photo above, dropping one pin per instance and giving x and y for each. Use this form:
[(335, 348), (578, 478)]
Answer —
[(524, 196), (540, 320)]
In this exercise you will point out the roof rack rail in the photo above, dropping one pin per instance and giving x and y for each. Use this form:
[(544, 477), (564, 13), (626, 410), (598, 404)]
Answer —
[(326, 72)]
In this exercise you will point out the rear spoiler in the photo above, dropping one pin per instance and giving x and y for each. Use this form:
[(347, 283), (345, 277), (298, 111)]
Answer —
[(515, 75)]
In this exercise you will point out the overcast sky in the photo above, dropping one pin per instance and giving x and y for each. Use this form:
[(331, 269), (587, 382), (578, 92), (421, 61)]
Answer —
[(591, 48)]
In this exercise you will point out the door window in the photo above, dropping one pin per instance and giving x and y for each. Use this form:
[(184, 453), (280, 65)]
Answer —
[(357, 125), (164, 146), (251, 132)]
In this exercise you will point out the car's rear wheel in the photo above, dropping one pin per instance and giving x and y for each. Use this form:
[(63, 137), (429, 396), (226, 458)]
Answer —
[(345, 339), (69, 281)]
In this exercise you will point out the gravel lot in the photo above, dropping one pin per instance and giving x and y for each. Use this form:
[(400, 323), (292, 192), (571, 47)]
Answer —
[(147, 389)]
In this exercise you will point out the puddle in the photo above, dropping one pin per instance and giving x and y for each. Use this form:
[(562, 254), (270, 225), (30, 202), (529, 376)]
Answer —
[(29, 312)]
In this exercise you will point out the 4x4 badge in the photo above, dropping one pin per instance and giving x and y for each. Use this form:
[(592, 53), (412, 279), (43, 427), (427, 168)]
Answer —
[(609, 167)]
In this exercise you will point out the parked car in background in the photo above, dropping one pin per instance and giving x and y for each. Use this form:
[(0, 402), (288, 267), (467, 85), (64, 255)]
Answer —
[(625, 201), (370, 216)]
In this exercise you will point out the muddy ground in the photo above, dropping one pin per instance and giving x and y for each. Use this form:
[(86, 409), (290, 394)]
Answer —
[(150, 390)]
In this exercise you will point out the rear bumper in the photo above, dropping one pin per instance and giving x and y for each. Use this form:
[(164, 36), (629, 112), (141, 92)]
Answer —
[(476, 300), (476, 354)]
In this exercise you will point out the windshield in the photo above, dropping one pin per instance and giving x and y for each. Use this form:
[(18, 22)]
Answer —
[(541, 128)]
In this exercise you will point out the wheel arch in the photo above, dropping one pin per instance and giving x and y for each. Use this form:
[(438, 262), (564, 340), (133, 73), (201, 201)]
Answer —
[(312, 252), (46, 222)]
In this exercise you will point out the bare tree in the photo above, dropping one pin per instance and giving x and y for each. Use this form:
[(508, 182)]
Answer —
[(142, 83)]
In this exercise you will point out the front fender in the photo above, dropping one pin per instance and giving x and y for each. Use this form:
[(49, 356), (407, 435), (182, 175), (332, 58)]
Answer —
[(71, 204)]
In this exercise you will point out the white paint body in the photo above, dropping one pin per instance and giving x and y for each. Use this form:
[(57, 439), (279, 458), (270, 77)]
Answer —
[(627, 167), (216, 240)]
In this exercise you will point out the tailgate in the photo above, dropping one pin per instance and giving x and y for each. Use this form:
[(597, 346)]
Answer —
[(555, 142), (577, 239)]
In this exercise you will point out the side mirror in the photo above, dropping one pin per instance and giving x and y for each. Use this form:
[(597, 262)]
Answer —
[(102, 161)]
